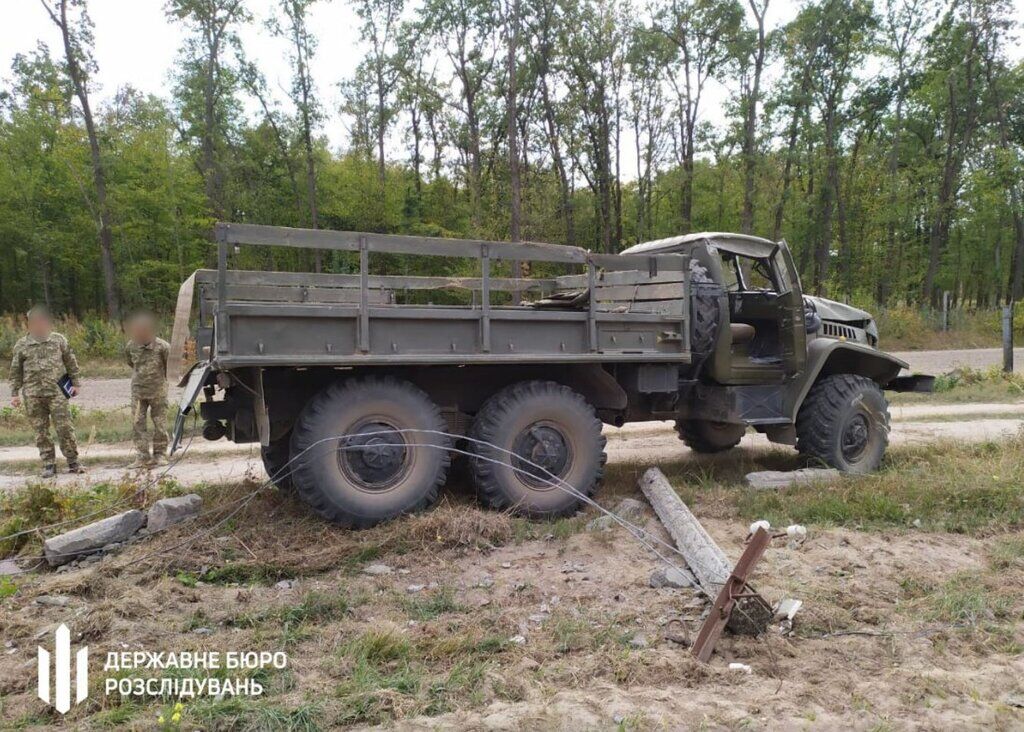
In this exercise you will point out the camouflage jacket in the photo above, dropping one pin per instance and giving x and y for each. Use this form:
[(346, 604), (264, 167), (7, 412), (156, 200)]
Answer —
[(38, 365), (149, 368)]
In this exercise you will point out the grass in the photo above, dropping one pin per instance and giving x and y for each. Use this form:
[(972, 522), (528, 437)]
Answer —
[(101, 426), (975, 489), (967, 385), (389, 675)]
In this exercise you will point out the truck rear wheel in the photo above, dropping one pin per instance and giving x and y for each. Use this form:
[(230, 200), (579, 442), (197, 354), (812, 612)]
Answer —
[(369, 450), (527, 433), (702, 435), (844, 422), (276, 457)]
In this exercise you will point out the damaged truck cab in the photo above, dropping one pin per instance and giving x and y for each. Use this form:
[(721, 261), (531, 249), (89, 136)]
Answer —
[(362, 387)]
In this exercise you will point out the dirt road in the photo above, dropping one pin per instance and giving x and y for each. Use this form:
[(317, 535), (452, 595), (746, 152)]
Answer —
[(639, 443)]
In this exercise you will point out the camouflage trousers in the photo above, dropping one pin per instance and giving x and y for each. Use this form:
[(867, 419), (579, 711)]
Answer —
[(156, 409), (41, 411)]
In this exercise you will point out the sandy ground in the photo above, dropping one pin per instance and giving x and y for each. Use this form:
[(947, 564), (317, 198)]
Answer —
[(641, 442), (113, 393)]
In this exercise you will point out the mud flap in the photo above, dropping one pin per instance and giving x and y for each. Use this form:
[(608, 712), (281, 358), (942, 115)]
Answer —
[(193, 381), (920, 383)]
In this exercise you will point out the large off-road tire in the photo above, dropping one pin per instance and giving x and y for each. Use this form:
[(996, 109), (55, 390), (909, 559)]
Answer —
[(276, 458), (549, 425), (844, 423), (701, 435), (368, 450)]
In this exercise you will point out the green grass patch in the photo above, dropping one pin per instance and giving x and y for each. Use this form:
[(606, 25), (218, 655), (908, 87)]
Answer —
[(390, 676), (966, 385), (432, 604), (245, 574), (967, 598), (92, 426)]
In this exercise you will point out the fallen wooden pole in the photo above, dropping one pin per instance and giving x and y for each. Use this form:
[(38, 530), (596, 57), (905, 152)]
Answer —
[(703, 556)]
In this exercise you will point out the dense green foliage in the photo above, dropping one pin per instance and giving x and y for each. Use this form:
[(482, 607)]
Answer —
[(883, 141)]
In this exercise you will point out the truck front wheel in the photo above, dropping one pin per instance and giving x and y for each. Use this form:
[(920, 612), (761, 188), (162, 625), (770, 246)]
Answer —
[(538, 450), (368, 450), (844, 423), (702, 435)]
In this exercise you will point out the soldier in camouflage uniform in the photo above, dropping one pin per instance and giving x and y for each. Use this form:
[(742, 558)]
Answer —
[(147, 355), (40, 360)]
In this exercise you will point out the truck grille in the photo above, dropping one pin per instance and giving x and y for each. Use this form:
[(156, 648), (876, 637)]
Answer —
[(834, 330)]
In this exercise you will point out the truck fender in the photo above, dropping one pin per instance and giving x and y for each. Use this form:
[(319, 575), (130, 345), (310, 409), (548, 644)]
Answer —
[(826, 356)]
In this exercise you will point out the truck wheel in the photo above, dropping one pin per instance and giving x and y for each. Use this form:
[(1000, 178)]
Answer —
[(702, 435), (844, 422), (550, 426), (368, 450), (275, 461)]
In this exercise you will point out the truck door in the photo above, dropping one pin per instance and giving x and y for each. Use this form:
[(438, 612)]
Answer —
[(791, 305)]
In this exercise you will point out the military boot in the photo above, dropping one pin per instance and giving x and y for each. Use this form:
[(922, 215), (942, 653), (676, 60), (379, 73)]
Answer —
[(49, 471), (76, 468)]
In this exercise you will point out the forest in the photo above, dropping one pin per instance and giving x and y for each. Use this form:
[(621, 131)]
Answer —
[(883, 140)]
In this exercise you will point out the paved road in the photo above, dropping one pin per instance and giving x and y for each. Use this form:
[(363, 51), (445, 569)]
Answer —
[(113, 393)]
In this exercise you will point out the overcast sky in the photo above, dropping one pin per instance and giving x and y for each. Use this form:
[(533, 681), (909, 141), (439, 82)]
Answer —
[(136, 45)]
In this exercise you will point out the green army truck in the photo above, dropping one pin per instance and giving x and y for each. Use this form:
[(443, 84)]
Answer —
[(361, 387)]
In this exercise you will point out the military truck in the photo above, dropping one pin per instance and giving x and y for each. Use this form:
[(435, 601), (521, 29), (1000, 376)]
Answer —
[(361, 386)]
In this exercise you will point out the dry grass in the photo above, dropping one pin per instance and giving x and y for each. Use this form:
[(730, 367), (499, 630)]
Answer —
[(366, 650)]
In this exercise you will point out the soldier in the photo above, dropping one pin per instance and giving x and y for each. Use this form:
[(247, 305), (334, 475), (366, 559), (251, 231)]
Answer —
[(147, 355), (41, 359)]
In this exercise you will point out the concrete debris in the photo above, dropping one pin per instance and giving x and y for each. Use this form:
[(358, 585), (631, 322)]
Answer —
[(284, 585), (65, 547), (9, 567), (673, 577), (519, 640), (1015, 700), (776, 479), (412, 589), (170, 511), (53, 600), (797, 535), (762, 524), (377, 569), (741, 668), (787, 608), (628, 509)]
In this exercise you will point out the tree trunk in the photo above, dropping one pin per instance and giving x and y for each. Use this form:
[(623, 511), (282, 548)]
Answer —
[(511, 113), (99, 176), (750, 123)]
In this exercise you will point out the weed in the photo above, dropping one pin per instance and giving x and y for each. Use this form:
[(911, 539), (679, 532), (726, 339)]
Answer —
[(432, 605)]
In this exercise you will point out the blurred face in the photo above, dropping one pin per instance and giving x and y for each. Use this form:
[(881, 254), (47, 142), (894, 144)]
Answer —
[(39, 325), (142, 330)]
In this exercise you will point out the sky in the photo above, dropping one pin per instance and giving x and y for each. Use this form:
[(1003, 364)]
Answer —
[(136, 45)]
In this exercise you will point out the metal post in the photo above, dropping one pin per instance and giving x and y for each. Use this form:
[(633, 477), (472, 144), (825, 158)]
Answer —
[(364, 295), (1008, 338), (485, 298), (220, 319), (946, 296), (592, 304)]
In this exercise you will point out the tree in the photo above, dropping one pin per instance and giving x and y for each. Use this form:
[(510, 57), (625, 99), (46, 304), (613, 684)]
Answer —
[(701, 31), (206, 83), (381, 21), (752, 55), (76, 36), (303, 46)]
